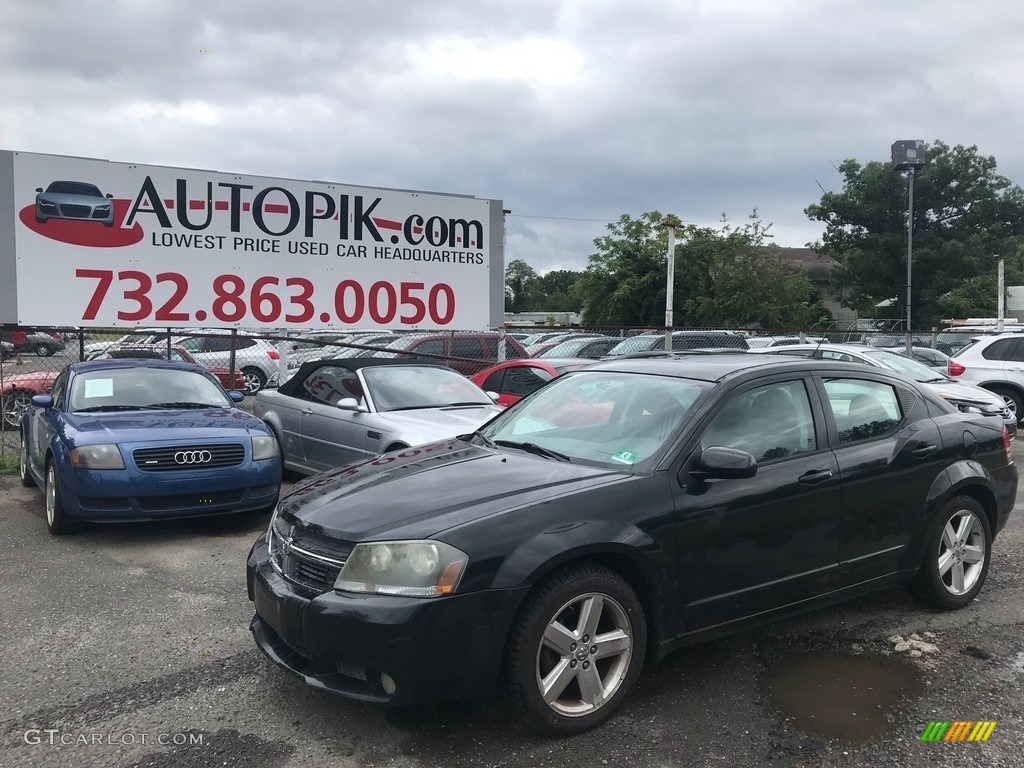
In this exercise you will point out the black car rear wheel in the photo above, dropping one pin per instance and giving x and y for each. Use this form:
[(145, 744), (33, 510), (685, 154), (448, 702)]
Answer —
[(44, 350), (576, 650), (957, 552)]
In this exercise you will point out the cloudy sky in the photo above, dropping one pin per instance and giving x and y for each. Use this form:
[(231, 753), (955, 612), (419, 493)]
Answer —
[(573, 112)]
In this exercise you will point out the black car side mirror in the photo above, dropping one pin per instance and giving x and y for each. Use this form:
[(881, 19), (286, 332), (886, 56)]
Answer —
[(39, 189), (723, 463)]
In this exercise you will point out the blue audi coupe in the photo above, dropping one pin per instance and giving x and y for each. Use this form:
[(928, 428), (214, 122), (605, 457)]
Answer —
[(124, 440)]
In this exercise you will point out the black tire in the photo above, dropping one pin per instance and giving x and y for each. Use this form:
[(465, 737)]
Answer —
[(23, 474), (57, 522), (957, 553), (255, 380), (43, 350), (1012, 398), (619, 630), (12, 406)]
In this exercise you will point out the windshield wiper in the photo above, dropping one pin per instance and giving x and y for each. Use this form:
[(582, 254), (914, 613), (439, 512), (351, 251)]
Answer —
[(534, 449), (181, 404), (479, 435), (98, 408), (475, 403)]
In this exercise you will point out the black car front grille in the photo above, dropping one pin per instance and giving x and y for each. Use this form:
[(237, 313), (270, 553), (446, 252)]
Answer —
[(189, 457), (190, 500), (310, 561), (76, 211)]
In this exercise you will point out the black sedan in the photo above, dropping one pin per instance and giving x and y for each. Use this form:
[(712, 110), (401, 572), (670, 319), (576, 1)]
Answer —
[(620, 512)]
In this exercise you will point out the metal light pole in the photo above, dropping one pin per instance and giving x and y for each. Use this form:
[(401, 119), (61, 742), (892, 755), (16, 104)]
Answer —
[(910, 252), (670, 284), (909, 156)]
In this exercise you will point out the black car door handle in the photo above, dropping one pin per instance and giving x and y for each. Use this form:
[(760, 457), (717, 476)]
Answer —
[(815, 476), (924, 450)]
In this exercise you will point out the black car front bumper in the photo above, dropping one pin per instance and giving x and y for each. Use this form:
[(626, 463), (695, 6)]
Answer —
[(433, 649)]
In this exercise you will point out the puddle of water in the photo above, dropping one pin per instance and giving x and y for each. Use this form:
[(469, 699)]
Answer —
[(829, 695)]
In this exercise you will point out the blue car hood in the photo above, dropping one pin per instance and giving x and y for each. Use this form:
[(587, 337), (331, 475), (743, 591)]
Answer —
[(421, 491), (155, 426)]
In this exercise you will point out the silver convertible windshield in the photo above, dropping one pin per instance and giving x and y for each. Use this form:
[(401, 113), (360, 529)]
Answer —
[(409, 387), (599, 417), (122, 389)]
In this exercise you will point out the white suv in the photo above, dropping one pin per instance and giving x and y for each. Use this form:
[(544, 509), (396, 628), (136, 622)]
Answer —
[(996, 363), (256, 358)]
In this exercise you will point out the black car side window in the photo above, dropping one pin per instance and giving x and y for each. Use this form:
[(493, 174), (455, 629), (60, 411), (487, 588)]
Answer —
[(863, 409), (770, 422)]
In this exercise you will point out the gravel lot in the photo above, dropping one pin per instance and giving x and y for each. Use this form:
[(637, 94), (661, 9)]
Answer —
[(129, 646)]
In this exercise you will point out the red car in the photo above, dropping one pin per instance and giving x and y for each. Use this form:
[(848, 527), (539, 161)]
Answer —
[(178, 353), (515, 379), (17, 393)]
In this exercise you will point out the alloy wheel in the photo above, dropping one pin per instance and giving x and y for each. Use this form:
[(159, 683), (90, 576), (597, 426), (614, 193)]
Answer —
[(51, 495), (961, 552), (584, 655), (14, 406)]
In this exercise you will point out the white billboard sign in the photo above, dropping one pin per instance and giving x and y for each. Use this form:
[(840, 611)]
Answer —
[(112, 244)]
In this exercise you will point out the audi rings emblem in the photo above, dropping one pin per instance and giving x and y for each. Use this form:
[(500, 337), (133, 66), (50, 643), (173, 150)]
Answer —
[(193, 457)]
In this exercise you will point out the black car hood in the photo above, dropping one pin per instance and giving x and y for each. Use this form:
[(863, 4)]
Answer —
[(422, 491)]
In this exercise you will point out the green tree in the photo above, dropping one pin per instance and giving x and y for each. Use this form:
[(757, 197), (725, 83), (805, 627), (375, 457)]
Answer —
[(965, 214), (522, 286), (723, 277)]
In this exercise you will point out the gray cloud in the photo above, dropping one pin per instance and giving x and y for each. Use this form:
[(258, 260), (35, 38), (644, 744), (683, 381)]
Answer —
[(573, 110)]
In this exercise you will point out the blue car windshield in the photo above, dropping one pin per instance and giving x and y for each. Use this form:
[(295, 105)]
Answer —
[(74, 188), (142, 388)]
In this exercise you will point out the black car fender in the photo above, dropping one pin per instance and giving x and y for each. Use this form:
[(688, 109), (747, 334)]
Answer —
[(968, 477), (617, 545)]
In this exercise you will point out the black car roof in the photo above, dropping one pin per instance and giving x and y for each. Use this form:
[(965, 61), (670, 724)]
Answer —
[(717, 367), (294, 385)]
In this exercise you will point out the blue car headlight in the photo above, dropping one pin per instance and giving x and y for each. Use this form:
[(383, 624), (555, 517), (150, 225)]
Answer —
[(407, 568), (264, 447), (103, 456)]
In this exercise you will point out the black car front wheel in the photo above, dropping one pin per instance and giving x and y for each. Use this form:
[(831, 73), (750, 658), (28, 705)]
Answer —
[(957, 553), (57, 521), (44, 350), (576, 650)]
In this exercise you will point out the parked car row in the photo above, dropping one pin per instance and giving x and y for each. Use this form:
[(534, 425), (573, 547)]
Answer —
[(446, 547)]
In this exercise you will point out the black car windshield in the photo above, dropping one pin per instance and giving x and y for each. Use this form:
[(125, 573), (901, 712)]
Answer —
[(74, 188), (607, 418), (144, 388), (408, 387)]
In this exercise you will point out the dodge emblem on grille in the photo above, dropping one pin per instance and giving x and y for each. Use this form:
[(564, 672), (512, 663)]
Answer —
[(193, 457)]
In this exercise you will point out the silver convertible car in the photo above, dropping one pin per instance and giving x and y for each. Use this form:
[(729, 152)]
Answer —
[(335, 411)]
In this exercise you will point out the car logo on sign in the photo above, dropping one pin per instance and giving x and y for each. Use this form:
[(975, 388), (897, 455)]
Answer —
[(193, 457)]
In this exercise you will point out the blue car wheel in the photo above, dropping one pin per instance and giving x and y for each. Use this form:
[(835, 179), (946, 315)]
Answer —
[(57, 522)]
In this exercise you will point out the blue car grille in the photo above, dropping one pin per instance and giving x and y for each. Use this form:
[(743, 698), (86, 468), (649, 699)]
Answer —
[(189, 457), (104, 502), (76, 211), (189, 500)]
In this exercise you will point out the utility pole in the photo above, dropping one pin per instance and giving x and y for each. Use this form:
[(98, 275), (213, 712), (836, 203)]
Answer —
[(670, 284), (909, 156)]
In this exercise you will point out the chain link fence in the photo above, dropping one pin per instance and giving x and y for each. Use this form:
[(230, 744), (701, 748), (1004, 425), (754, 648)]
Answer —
[(31, 358)]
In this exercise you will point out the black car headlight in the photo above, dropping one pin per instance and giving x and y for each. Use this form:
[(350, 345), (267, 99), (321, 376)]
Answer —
[(408, 568)]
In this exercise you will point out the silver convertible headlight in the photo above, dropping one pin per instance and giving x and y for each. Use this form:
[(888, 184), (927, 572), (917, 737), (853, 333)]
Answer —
[(408, 568)]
